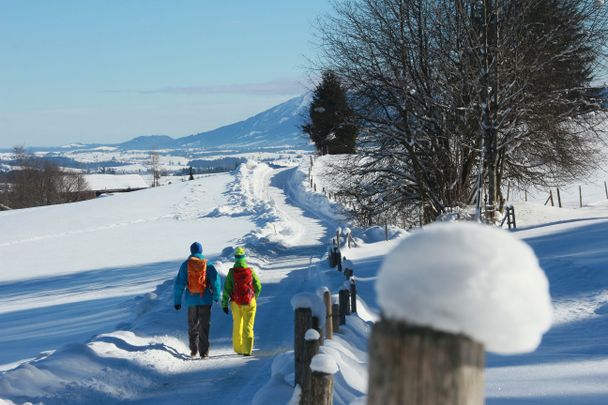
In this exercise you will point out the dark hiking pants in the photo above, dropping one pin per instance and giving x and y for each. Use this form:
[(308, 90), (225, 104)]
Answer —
[(199, 319)]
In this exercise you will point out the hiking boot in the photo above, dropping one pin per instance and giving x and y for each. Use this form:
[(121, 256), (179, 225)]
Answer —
[(204, 356), (193, 353)]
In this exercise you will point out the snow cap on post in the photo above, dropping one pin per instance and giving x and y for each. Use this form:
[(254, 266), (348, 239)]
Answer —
[(468, 278), (312, 334), (312, 301), (324, 363)]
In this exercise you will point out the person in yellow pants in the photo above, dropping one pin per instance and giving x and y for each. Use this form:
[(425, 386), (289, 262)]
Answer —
[(241, 289)]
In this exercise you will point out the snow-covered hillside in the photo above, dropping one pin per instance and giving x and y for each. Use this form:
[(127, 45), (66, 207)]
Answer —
[(86, 296), (278, 127)]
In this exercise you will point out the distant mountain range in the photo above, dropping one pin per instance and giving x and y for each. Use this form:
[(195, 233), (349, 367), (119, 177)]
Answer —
[(276, 128)]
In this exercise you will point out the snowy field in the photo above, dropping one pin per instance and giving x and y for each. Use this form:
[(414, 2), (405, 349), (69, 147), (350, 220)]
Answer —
[(86, 296)]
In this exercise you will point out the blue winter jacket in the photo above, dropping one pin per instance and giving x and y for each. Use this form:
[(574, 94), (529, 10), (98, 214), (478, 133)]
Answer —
[(212, 292)]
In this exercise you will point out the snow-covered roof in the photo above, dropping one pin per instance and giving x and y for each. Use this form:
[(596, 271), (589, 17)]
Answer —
[(468, 278)]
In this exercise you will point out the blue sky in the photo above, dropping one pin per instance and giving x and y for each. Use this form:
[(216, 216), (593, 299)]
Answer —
[(107, 71)]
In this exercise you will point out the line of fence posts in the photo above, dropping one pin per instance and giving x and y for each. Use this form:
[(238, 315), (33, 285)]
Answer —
[(559, 197), (317, 387)]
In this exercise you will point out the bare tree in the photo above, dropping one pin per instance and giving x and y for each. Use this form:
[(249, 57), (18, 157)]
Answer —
[(439, 84), (37, 181)]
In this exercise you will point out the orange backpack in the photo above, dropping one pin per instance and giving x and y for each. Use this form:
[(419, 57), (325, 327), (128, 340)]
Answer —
[(197, 275)]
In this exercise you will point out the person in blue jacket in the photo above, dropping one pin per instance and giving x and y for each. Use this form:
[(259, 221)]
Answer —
[(201, 283)]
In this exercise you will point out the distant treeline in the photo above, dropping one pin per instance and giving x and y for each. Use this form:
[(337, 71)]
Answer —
[(70, 163), (213, 166), (40, 181)]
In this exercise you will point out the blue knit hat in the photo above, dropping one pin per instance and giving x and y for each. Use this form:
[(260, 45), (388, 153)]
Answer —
[(196, 248)]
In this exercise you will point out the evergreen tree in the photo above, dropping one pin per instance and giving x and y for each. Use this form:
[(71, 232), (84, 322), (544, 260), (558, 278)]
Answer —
[(331, 126)]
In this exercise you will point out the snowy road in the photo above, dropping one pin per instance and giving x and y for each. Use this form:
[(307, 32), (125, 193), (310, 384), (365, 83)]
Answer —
[(151, 340)]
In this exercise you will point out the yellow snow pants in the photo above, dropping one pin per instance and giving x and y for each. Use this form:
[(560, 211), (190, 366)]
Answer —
[(243, 318)]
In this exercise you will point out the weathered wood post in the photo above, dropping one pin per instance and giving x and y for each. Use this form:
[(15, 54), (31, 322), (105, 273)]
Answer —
[(311, 348), (580, 196), (606, 190), (559, 199), (348, 273), (344, 295), (421, 366), (335, 310), (429, 348), (316, 325), (334, 255), (385, 229), (526, 195), (329, 329), (303, 322), (513, 217), (551, 197), (323, 368), (353, 295), (338, 252)]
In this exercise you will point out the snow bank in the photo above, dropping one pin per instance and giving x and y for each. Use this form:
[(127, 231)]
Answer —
[(471, 279), (300, 190), (324, 363)]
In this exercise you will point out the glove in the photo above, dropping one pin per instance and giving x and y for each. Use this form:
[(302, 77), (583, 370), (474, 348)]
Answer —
[(225, 309), (177, 307)]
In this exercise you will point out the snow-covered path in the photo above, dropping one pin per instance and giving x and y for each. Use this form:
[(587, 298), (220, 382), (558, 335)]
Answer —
[(151, 341)]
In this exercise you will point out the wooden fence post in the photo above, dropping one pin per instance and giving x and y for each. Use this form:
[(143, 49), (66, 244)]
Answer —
[(513, 218), (580, 196), (344, 305), (329, 329), (353, 295), (385, 229), (335, 310), (606, 190), (303, 322), (323, 368), (418, 365), (316, 326), (348, 273), (526, 195), (311, 348), (559, 199)]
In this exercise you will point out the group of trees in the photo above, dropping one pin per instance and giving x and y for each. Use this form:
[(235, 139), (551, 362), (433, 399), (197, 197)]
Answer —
[(452, 97), (37, 181)]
